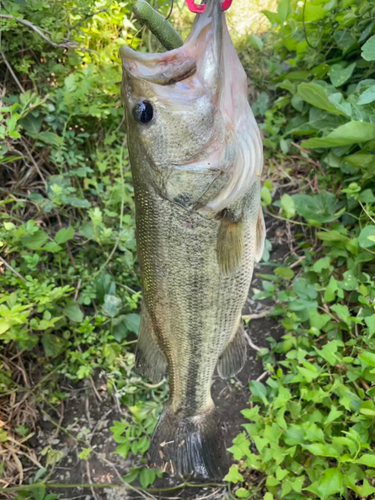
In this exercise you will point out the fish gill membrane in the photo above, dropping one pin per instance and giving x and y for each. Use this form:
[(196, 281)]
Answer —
[(196, 158)]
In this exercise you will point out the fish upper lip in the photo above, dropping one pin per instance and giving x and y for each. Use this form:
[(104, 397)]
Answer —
[(201, 47)]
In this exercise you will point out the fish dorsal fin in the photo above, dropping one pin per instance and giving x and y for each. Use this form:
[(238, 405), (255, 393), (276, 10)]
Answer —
[(260, 236), (230, 244)]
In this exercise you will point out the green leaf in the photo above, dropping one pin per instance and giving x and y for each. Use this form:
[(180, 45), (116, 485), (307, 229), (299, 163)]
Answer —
[(147, 477), (73, 312), (112, 305), (132, 322), (331, 483), (31, 124), (313, 13), (368, 357), (321, 264), (363, 240), (75, 202), (258, 390), (268, 496), (320, 208), (64, 235), (242, 493), (34, 241), (368, 49), (266, 195), (49, 138), (52, 247), (366, 459), (284, 272), (350, 133), (287, 204), (255, 41), (52, 344), (340, 75), (233, 475), (315, 95), (367, 96)]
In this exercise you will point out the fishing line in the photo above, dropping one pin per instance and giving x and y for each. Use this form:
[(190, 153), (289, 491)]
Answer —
[(170, 11)]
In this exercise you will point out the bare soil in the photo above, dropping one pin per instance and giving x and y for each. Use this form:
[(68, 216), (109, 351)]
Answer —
[(88, 418)]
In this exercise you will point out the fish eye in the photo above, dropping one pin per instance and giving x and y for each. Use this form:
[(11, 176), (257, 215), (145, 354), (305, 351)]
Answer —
[(143, 112)]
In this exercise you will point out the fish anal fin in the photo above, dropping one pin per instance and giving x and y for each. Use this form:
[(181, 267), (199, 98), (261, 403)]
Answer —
[(149, 359), (233, 358), (230, 245), (260, 236)]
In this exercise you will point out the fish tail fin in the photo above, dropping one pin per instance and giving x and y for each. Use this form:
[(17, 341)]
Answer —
[(188, 446)]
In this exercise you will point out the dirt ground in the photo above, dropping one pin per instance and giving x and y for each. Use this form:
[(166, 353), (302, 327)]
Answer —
[(89, 413)]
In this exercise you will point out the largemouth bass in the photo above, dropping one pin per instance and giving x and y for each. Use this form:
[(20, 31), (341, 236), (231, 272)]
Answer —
[(196, 157)]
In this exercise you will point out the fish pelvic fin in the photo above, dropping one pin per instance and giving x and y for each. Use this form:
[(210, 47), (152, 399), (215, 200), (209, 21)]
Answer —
[(260, 236), (233, 358), (189, 446), (230, 245), (149, 359)]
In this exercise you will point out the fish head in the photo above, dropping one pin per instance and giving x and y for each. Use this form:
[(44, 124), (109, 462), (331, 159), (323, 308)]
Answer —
[(186, 110)]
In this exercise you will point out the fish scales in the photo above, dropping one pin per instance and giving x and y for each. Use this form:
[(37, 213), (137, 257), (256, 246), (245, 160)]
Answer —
[(195, 309), (196, 158)]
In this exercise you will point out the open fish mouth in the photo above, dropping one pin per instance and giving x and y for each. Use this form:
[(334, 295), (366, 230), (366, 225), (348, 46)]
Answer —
[(205, 65), (199, 53)]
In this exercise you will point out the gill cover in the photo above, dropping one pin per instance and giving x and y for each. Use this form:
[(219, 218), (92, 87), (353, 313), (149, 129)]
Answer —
[(203, 144)]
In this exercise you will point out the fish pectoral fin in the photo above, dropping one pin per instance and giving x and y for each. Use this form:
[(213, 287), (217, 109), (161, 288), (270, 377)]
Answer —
[(149, 359), (260, 236), (230, 245), (233, 358)]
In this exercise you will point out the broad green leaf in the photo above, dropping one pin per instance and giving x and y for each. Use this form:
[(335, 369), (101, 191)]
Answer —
[(147, 477), (287, 204), (315, 95), (320, 264), (284, 272), (233, 475), (258, 390), (367, 96), (366, 459), (49, 138), (64, 235), (320, 208), (52, 343), (268, 496), (368, 357), (331, 483), (132, 322), (243, 493), (313, 13), (333, 415), (34, 241), (32, 124), (365, 235), (340, 75), (73, 311), (283, 9), (266, 195), (255, 41), (52, 247), (350, 133), (112, 305), (368, 49)]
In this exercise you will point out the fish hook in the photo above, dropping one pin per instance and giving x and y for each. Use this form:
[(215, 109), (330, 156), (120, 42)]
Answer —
[(200, 8)]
